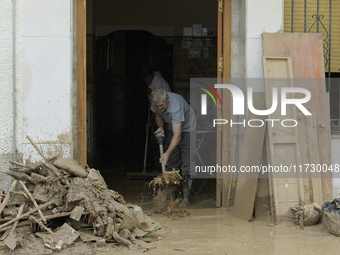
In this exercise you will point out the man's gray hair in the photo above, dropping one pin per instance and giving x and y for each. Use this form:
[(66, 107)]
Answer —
[(158, 94)]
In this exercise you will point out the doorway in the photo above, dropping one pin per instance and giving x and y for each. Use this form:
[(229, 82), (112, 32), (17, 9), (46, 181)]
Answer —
[(121, 37), (120, 98)]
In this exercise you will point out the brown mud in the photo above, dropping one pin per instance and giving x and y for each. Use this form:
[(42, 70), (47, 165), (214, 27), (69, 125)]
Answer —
[(169, 177), (207, 230)]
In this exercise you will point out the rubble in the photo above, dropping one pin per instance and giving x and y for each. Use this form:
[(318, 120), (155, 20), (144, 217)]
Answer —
[(64, 199), (306, 215)]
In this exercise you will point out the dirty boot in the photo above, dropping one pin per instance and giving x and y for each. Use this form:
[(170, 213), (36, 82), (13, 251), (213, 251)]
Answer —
[(187, 183), (170, 190)]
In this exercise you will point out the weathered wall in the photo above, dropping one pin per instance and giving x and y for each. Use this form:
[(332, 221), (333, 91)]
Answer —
[(249, 20), (47, 76), (6, 86), (261, 16), (43, 80)]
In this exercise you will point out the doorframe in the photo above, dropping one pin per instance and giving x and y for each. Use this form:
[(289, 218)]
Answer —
[(223, 50), (223, 180), (81, 86)]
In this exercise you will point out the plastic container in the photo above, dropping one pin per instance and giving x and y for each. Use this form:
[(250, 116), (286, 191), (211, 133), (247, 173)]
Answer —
[(139, 215)]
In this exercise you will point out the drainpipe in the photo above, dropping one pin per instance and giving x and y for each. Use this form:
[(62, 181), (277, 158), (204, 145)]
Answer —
[(14, 85)]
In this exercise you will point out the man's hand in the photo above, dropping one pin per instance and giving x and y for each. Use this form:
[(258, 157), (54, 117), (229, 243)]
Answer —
[(159, 132), (165, 158)]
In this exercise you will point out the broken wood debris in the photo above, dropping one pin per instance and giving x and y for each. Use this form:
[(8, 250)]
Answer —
[(75, 197), (11, 239)]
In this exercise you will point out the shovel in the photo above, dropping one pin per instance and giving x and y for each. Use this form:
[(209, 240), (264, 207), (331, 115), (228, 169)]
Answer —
[(167, 177), (161, 151)]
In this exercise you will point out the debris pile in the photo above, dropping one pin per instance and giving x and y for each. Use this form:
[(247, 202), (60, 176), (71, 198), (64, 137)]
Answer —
[(310, 214), (61, 198), (306, 215), (331, 216)]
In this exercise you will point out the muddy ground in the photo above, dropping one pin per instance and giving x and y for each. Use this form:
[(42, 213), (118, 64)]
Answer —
[(207, 230)]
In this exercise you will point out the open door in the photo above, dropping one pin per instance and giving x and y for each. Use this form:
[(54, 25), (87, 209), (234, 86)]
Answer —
[(223, 71)]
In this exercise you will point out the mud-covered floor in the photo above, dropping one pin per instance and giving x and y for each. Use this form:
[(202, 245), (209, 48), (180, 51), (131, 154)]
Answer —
[(207, 230), (211, 230)]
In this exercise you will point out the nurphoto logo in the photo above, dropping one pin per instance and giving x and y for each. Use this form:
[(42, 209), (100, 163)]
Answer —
[(238, 104)]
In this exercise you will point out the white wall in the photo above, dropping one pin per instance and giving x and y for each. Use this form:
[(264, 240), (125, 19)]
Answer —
[(43, 79), (250, 19), (47, 76), (6, 86), (261, 16)]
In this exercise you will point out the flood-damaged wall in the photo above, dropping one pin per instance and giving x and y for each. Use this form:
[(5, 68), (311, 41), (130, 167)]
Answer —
[(43, 80), (249, 20), (6, 86), (261, 16), (47, 76)]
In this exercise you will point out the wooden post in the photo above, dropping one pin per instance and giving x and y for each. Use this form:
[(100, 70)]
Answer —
[(219, 180), (223, 133), (226, 98), (81, 48), (224, 71)]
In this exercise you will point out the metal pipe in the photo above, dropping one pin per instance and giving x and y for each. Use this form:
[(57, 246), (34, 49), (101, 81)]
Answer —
[(292, 28), (14, 84), (330, 44), (305, 22)]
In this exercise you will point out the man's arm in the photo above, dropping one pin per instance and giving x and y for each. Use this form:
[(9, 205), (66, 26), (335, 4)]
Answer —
[(177, 130)]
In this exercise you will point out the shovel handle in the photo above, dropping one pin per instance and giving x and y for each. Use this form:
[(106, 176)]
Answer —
[(161, 153)]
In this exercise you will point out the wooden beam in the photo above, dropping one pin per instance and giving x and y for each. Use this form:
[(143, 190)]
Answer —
[(224, 71), (219, 180), (81, 48), (226, 99), (247, 183)]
